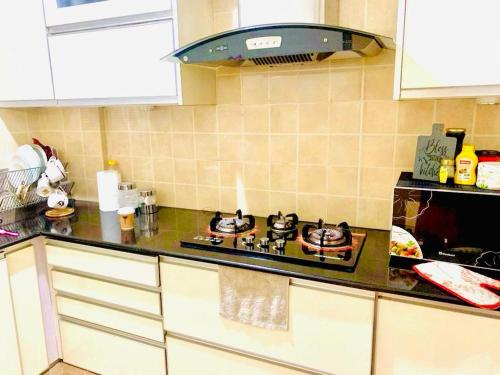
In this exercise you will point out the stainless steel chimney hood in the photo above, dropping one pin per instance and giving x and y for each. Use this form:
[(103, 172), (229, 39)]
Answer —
[(281, 43)]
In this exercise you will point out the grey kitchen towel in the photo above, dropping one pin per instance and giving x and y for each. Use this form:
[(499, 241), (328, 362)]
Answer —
[(256, 298)]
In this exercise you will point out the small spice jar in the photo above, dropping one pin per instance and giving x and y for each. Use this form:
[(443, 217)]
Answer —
[(446, 170)]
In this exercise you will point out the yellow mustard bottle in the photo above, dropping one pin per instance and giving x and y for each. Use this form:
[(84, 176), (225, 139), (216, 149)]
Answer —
[(465, 166)]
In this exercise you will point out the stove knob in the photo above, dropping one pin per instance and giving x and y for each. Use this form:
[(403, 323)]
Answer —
[(280, 244), (248, 240), (264, 242)]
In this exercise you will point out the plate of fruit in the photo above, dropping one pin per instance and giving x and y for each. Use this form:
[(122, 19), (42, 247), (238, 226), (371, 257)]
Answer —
[(404, 244)]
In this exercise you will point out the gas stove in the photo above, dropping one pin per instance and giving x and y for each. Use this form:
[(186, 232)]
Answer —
[(277, 238)]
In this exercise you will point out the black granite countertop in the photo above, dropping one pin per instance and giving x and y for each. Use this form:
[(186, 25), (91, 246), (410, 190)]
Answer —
[(92, 227)]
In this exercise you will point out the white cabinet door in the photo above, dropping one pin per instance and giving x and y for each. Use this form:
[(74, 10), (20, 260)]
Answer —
[(24, 55), (209, 360), (61, 12), (448, 48), (28, 310), (415, 340), (106, 353), (10, 362), (257, 12), (121, 62)]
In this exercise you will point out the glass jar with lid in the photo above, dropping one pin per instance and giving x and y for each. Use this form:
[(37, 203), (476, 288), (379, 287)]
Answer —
[(128, 196)]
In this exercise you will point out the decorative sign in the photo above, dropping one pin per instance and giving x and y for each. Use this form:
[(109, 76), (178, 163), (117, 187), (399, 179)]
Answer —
[(430, 150)]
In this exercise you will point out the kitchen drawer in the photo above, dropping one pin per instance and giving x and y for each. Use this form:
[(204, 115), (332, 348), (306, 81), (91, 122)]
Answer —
[(126, 296), (123, 321), (330, 328), (106, 353), (210, 360), (113, 264)]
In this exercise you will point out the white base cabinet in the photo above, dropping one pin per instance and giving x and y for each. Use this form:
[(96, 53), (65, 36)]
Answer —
[(10, 361), (106, 353), (186, 357), (413, 339), (330, 328), (23, 278)]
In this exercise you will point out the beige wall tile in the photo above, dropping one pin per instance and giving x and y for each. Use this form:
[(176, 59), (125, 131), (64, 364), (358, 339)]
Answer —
[(230, 147), (377, 151), (415, 116), (345, 84), (256, 176), (225, 21), (313, 86), (54, 119), (284, 177), (455, 113), (208, 198), (182, 119), (230, 118), (378, 83), (313, 118), (116, 118), (284, 202), (185, 196), (118, 143), (90, 118), (161, 145), (224, 5), (345, 117), (374, 213), (376, 183), (140, 144), (138, 118), (255, 88), (92, 165), (283, 148), (380, 116), (142, 169), (165, 194), (487, 142), (208, 172), (204, 119), (228, 89), (385, 57), (487, 119), (160, 119), (256, 118), (284, 118), (256, 148), (72, 119), (74, 142), (343, 181), (381, 17), (183, 146), (257, 202), (312, 179), (406, 146), (92, 143), (163, 170), (313, 149), (185, 171), (283, 87), (311, 207), (351, 13), (341, 209), (230, 173), (343, 150), (206, 146), (228, 200)]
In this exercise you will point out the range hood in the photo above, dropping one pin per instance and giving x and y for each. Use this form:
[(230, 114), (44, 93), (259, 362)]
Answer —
[(280, 43)]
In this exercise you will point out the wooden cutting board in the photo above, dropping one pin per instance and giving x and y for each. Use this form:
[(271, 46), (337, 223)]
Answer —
[(430, 150)]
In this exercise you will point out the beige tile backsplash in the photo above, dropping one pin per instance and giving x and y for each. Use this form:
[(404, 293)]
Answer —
[(325, 140)]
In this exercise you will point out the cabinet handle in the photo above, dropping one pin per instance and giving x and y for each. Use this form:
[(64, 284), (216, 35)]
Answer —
[(112, 331)]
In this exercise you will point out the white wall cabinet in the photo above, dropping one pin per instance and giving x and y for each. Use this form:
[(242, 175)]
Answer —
[(25, 74), (447, 48), (325, 322), (414, 339), (23, 279), (256, 12), (10, 361)]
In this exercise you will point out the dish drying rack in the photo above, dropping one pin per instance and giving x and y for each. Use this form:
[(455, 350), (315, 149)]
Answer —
[(14, 197)]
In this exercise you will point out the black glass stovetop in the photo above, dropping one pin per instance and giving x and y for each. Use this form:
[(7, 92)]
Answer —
[(294, 249)]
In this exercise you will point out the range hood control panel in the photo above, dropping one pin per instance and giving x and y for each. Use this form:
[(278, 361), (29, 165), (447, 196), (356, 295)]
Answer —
[(263, 42)]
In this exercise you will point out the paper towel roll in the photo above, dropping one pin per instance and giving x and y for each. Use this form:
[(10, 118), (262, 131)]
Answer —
[(107, 189)]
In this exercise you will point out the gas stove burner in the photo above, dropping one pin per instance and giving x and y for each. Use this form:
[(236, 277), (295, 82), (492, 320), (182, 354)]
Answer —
[(490, 259), (233, 225), (281, 223), (330, 238)]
